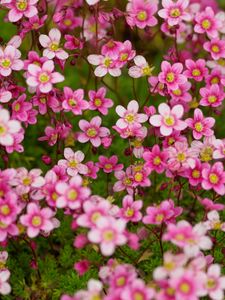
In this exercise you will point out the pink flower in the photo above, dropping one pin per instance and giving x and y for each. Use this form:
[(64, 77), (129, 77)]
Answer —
[(8, 128), (82, 266), (93, 211), (9, 60), (141, 68), (140, 13), (51, 43), (191, 239), (109, 233), (214, 178), (155, 159), (195, 174), (125, 53), (168, 119), (72, 42), (71, 194), (210, 205), (5, 288), (74, 101), (9, 208), (125, 181), (105, 64), (33, 23), (196, 69), (200, 125), (43, 77), (20, 109), (206, 22), (137, 290), (171, 75), (216, 47), (99, 102), (213, 221), (21, 8), (130, 210), (130, 116), (181, 94), (166, 212), (72, 162), (109, 164), (214, 282), (37, 219), (92, 131), (174, 12), (92, 170), (211, 96)]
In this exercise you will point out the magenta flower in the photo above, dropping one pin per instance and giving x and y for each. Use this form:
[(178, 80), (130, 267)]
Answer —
[(72, 162), (9, 60), (130, 116), (43, 77), (166, 213), (211, 96), (21, 108), (92, 131), (201, 126), (109, 164), (71, 194), (51, 43), (214, 178), (216, 47), (72, 42), (141, 13), (168, 119), (20, 8), (99, 102), (8, 128), (37, 219), (195, 174), (130, 210), (206, 22), (174, 12), (155, 159), (109, 233), (171, 75), (196, 69), (74, 101)]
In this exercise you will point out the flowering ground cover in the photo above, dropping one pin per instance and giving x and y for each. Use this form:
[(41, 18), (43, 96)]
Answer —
[(112, 141)]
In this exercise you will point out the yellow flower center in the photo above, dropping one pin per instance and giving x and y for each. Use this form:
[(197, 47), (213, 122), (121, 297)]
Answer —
[(215, 80), (91, 132), (221, 62), (206, 24), (26, 181), (130, 118), (212, 99), (169, 265), (98, 102), (17, 107), (196, 72), (95, 216), (108, 235), (213, 178), (217, 225), (195, 174), (123, 56), (107, 62), (2, 129), (73, 163), (175, 12), (129, 212), (21, 5), (108, 166), (170, 291), (215, 48), (177, 92), (142, 15), (54, 196), (169, 121), (96, 297), (138, 296), (159, 218), (54, 46), (138, 177), (198, 126), (67, 22), (157, 161), (170, 77), (72, 195), (72, 102), (36, 221), (185, 288), (121, 281), (211, 283), (5, 63), (179, 237), (127, 181), (44, 78), (5, 209), (206, 154)]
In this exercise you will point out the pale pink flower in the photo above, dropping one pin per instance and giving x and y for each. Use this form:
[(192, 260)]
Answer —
[(94, 291), (206, 22), (51, 43), (201, 126), (105, 64), (141, 68), (9, 60), (37, 219), (140, 13), (174, 12), (72, 162), (219, 151), (5, 96), (99, 102), (156, 159), (20, 8), (92, 131), (214, 178), (5, 287), (43, 77), (213, 221), (214, 282), (168, 119), (109, 233), (8, 128), (130, 116), (74, 101), (171, 75)]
